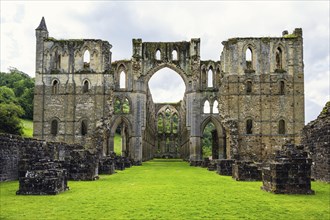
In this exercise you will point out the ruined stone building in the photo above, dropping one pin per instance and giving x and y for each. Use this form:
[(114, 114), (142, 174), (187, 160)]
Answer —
[(254, 96)]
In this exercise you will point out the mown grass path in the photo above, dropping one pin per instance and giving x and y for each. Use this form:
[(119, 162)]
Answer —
[(165, 189)]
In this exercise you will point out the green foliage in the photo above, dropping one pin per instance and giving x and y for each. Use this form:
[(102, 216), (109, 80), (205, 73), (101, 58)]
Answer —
[(10, 118), (165, 189), (126, 108), (207, 140), (23, 87), (27, 128)]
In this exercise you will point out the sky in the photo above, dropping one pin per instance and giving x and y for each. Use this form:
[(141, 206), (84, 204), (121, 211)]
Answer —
[(212, 21)]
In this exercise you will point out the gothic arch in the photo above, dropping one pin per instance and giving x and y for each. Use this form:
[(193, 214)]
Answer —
[(217, 124), (154, 69), (117, 121)]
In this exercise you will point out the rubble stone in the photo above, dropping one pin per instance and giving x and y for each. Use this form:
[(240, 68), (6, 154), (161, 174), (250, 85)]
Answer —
[(288, 173)]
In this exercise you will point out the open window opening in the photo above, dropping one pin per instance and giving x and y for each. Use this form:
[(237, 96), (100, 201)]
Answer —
[(85, 86), (210, 78), (55, 87), (174, 55), (158, 55), (215, 109), (278, 58), (281, 127), (122, 80), (249, 126), (249, 58), (54, 127), (84, 128), (86, 59), (206, 107)]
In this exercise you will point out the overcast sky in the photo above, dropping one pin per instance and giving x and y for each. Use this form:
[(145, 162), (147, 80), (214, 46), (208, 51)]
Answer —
[(212, 21)]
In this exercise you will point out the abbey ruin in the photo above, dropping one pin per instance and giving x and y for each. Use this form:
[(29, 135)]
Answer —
[(254, 96)]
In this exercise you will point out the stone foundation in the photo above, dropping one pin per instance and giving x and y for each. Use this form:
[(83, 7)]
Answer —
[(289, 173), (44, 178), (107, 166), (225, 167), (246, 171)]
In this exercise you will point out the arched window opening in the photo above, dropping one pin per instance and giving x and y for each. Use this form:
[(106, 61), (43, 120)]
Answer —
[(208, 140), (168, 145), (174, 55), (121, 140), (278, 58), (54, 127), (122, 80), (84, 127), (160, 124), (206, 108), (215, 107), (85, 86), (204, 78), (166, 86), (158, 56), (86, 59), (117, 107), (168, 120), (175, 124), (248, 87), (126, 107), (282, 88), (210, 78), (55, 87), (248, 58), (249, 126), (57, 60), (281, 127)]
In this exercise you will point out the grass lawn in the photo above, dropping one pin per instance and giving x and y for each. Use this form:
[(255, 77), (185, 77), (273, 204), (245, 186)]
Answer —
[(165, 189), (117, 144), (27, 128)]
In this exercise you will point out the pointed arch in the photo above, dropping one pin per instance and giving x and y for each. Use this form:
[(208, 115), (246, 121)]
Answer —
[(55, 86), (122, 80), (158, 55), (174, 55), (86, 86), (86, 58), (206, 107), (279, 58), (215, 107), (210, 78)]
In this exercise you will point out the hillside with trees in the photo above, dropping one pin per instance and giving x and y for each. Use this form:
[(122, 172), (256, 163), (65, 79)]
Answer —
[(16, 100)]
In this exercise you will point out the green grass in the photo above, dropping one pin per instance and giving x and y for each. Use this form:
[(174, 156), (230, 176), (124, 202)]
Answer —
[(27, 127), (165, 189), (117, 144)]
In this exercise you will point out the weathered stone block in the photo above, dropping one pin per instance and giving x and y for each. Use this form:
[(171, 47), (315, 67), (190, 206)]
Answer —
[(225, 167), (246, 171)]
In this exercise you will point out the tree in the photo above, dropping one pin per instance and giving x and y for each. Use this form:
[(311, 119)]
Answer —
[(10, 118), (23, 87)]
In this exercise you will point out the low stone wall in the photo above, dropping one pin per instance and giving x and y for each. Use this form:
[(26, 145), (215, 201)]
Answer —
[(225, 167), (18, 155), (316, 140), (246, 171), (288, 173)]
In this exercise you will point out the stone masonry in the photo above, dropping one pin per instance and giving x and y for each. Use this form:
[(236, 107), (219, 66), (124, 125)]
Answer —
[(255, 93), (316, 139)]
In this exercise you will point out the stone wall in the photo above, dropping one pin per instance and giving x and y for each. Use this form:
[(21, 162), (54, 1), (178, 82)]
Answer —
[(316, 139), (18, 155)]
